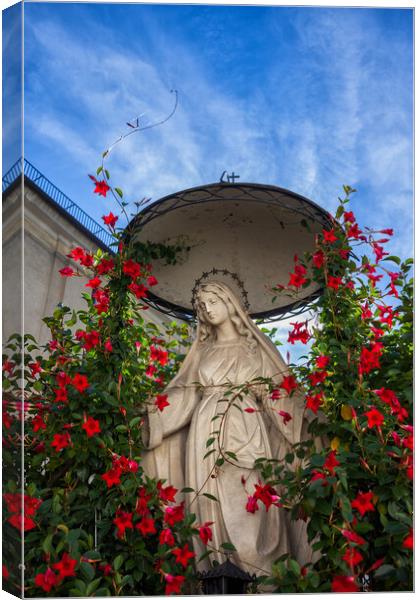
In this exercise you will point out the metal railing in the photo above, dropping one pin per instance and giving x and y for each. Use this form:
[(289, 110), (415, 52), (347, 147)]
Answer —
[(57, 197)]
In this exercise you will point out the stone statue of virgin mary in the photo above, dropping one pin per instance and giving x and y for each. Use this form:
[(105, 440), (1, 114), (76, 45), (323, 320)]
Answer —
[(229, 349)]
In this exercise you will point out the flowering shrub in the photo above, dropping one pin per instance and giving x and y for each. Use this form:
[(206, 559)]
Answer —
[(94, 524), (356, 494)]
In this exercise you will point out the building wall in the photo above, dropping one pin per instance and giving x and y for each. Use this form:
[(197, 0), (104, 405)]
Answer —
[(48, 236)]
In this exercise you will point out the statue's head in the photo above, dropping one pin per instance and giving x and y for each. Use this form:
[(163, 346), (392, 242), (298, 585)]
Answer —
[(215, 303)]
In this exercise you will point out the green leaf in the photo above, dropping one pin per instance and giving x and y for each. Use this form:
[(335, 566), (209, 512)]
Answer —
[(98, 170), (228, 546), (119, 192), (87, 570), (209, 452), (294, 566), (187, 490), (47, 543), (209, 442), (210, 496), (394, 259), (118, 561), (205, 555), (92, 586), (80, 585), (121, 428), (134, 421)]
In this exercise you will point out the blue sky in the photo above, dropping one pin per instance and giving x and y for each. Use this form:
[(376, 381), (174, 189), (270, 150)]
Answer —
[(304, 98)]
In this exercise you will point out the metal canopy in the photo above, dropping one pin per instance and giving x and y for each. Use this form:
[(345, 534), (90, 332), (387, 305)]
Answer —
[(250, 230)]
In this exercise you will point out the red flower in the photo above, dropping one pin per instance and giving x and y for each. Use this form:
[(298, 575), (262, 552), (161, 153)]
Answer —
[(300, 333), (379, 251), (375, 418), (285, 416), (108, 346), (369, 358), (331, 462), (66, 566), (35, 368), (101, 187), (91, 339), (60, 395), (112, 477), (353, 537), (250, 410), (376, 565), (77, 253), (266, 494), (123, 521), (183, 555), (5, 572), (363, 502), (66, 272), (142, 507), (387, 231), (251, 505), (388, 396), (161, 401), (80, 382), (329, 236), (91, 426), (38, 423), (344, 583), (146, 526), (334, 282), (14, 502), (131, 268), (322, 362), (31, 505), (106, 569), (352, 557), (317, 377), (110, 220), (344, 254), (366, 312), (93, 283), (60, 441), (173, 583), (46, 580), (151, 280), (174, 514), (289, 384), (151, 370), (205, 533), (105, 266), (161, 356), (297, 278), (8, 366), (313, 402), (140, 291), (349, 217), (409, 541), (21, 522), (316, 475), (166, 494), (86, 260), (166, 537), (386, 315), (318, 259), (354, 232)]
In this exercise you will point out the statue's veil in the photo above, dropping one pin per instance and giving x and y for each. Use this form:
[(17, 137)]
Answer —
[(275, 367)]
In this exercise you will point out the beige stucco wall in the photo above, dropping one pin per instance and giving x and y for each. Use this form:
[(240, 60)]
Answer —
[(48, 237)]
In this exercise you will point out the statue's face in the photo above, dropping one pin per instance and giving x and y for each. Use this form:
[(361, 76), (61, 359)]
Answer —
[(214, 309)]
